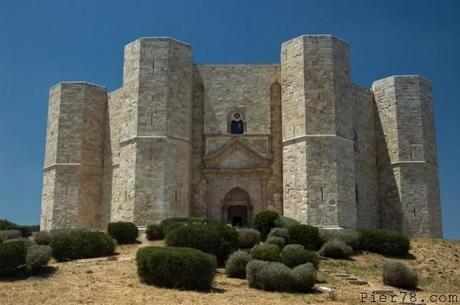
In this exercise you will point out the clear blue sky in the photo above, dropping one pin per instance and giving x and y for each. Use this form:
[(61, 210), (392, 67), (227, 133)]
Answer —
[(44, 42)]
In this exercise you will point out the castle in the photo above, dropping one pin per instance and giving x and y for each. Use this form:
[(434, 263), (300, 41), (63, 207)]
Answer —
[(227, 141)]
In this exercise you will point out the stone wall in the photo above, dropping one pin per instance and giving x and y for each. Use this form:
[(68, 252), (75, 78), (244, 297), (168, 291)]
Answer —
[(74, 157), (409, 187), (318, 156)]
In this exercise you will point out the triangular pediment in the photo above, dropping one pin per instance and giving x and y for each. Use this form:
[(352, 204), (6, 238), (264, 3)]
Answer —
[(236, 154)]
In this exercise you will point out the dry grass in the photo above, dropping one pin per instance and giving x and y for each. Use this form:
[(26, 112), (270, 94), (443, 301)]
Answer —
[(101, 281)]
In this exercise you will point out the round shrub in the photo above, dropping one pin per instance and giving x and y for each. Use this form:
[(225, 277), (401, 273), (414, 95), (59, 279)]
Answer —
[(37, 257), (274, 240), (154, 232), (305, 276), (25, 241), (81, 244), (12, 257), (266, 252), (9, 234), (294, 255), (123, 232), (274, 276), (348, 236), (336, 249), (248, 238), (235, 266), (384, 242), (264, 222), (181, 268), (217, 239), (400, 276), (285, 222), (279, 232), (305, 235), (42, 238)]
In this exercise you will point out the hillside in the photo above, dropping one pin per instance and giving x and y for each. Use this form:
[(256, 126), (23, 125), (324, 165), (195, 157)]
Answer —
[(107, 281)]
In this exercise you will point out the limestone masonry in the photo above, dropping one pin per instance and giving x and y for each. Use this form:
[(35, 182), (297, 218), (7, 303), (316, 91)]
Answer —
[(228, 141)]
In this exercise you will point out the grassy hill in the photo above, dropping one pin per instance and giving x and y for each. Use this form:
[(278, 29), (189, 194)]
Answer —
[(114, 281)]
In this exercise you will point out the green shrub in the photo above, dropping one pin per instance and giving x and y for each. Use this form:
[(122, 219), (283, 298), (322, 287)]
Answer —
[(12, 258), (248, 238), (274, 240), (285, 222), (154, 232), (81, 244), (235, 266), (25, 241), (348, 236), (274, 276), (294, 255), (37, 257), (26, 231), (123, 232), (336, 249), (279, 232), (400, 276), (42, 238), (170, 224), (304, 235), (181, 268), (217, 239), (266, 252), (264, 222), (9, 234), (384, 242)]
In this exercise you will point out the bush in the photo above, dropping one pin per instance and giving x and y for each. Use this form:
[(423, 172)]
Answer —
[(285, 222), (37, 257), (279, 232), (123, 232), (170, 224), (400, 276), (248, 238), (264, 222), (274, 240), (42, 238), (384, 242), (294, 255), (336, 249), (274, 276), (12, 257), (26, 231), (304, 235), (348, 236), (182, 268), (154, 232), (266, 252), (236, 264), (81, 244), (25, 241), (9, 234), (217, 239)]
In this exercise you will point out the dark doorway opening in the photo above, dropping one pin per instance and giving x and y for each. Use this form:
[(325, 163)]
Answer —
[(237, 215)]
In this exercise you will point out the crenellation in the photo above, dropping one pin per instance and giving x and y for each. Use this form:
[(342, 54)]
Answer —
[(226, 141)]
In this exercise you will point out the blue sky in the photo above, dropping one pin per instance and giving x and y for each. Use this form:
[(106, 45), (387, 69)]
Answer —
[(44, 42)]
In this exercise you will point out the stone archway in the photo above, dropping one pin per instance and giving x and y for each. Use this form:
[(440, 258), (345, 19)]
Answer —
[(237, 209)]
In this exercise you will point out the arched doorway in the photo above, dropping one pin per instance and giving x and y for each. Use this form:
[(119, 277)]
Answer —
[(237, 208)]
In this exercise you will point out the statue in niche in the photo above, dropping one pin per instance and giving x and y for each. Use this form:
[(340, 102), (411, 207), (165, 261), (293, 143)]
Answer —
[(237, 124)]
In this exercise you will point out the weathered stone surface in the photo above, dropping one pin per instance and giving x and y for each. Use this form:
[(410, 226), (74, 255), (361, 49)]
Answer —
[(228, 141)]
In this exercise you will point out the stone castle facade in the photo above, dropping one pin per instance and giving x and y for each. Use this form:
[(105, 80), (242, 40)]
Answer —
[(227, 141)]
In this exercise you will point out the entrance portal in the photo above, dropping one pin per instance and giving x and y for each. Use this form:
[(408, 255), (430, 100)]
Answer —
[(236, 209)]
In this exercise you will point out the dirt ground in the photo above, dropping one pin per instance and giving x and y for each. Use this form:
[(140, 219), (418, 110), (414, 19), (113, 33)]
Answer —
[(106, 281)]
